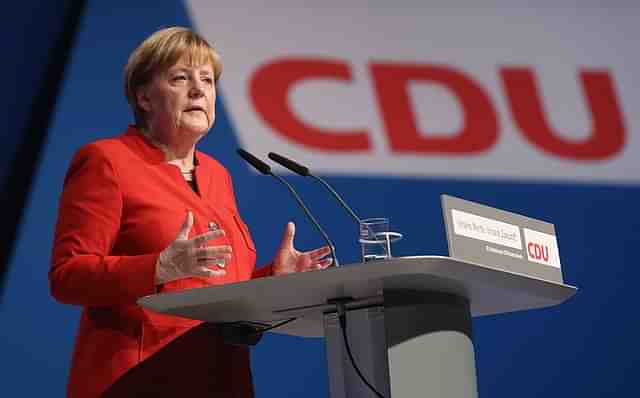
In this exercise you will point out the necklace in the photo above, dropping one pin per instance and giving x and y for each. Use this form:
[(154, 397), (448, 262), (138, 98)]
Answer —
[(188, 175)]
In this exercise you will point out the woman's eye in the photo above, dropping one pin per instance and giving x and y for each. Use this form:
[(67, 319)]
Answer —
[(179, 77), (208, 80)]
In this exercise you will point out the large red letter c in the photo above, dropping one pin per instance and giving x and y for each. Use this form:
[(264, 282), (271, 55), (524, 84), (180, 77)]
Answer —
[(269, 88)]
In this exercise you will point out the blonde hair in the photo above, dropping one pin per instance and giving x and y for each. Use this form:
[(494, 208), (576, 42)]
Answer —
[(160, 51)]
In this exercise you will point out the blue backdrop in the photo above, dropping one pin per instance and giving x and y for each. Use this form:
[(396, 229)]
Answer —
[(27, 54), (581, 348)]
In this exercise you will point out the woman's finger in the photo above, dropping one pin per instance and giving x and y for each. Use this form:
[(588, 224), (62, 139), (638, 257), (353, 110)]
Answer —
[(319, 253), (322, 264), (206, 272), (214, 258), (220, 261), (201, 239), (212, 251)]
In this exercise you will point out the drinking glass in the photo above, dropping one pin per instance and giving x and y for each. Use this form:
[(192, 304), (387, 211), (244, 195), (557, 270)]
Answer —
[(376, 239)]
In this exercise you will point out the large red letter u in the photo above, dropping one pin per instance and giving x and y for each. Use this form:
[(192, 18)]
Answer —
[(608, 131)]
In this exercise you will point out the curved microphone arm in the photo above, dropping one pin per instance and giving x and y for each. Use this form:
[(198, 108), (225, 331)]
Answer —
[(265, 169), (338, 197), (311, 217)]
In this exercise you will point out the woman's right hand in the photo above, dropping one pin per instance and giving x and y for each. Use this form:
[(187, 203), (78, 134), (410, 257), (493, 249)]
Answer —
[(186, 257)]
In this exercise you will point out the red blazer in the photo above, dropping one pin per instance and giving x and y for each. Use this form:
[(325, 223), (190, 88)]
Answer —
[(122, 204)]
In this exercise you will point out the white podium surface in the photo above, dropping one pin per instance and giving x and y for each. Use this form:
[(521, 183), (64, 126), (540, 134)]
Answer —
[(305, 295)]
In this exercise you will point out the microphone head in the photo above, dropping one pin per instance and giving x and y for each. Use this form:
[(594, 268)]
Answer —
[(289, 164), (254, 161)]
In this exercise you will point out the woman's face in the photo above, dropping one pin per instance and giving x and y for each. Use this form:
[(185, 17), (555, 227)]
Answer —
[(180, 101)]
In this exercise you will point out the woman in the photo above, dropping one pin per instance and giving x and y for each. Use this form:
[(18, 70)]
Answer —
[(145, 212)]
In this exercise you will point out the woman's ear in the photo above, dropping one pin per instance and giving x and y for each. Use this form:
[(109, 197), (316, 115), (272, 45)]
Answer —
[(143, 100)]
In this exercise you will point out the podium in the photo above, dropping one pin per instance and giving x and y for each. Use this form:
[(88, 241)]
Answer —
[(408, 319)]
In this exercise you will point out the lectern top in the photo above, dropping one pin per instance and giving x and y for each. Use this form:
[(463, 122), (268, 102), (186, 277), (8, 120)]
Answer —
[(304, 295)]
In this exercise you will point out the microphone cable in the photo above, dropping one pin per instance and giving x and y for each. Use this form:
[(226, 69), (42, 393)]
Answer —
[(246, 332), (342, 319)]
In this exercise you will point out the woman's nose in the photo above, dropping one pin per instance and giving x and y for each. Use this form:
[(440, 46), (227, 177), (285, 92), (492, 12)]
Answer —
[(197, 89)]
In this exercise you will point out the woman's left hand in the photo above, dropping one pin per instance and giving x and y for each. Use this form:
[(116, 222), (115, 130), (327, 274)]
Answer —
[(289, 260)]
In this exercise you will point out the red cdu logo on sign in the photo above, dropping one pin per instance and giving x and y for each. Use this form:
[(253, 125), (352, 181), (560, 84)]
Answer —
[(538, 251), (542, 248)]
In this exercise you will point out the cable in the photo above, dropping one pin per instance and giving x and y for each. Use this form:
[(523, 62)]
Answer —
[(277, 325), (342, 318), (245, 333)]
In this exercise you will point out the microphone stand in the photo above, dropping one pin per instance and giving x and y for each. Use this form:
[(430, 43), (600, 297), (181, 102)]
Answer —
[(265, 169)]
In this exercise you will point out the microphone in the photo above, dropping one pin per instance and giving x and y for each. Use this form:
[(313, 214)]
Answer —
[(265, 169), (255, 162), (304, 171)]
